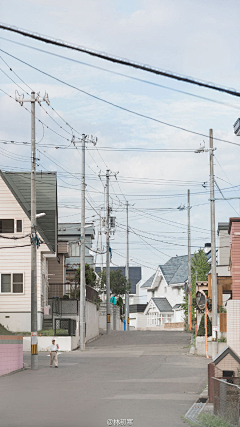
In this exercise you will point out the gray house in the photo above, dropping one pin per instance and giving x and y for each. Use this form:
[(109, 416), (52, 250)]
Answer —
[(71, 233)]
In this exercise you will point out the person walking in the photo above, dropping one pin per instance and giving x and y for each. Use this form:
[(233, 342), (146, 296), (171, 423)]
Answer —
[(53, 349)]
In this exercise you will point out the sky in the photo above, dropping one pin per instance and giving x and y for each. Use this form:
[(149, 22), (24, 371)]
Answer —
[(197, 39)]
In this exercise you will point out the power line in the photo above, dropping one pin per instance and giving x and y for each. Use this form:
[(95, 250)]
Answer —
[(118, 60), (123, 75), (118, 106)]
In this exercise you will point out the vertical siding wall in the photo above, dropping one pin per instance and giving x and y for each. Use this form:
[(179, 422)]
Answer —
[(235, 269), (11, 353)]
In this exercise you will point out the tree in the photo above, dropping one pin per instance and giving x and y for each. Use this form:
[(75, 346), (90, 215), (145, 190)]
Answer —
[(90, 276), (201, 329), (90, 279), (118, 282), (199, 271)]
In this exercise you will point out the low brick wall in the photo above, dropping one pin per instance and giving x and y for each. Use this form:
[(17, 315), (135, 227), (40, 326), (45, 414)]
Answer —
[(11, 353), (174, 325)]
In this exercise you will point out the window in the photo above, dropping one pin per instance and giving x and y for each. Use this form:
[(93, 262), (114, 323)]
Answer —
[(12, 283), (75, 249), (11, 226), (19, 226), (17, 283), (6, 283), (6, 225)]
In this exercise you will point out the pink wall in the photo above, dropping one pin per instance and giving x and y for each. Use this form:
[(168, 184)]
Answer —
[(234, 231), (11, 353)]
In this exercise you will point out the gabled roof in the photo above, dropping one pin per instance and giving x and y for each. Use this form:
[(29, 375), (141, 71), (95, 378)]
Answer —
[(177, 306), (135, 275), (227, 350), (19, 183), (175, 270), (148, 283), (162, 304)]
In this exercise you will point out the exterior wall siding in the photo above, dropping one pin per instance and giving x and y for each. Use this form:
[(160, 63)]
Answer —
[(15, 309), (11, 353), (235, 264)]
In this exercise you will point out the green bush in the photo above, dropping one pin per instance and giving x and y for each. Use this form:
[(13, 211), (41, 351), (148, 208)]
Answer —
[(201, 329)]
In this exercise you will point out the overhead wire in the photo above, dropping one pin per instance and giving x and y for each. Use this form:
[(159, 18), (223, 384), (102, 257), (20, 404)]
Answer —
[(118, 60), (120, 107), (124, 75)]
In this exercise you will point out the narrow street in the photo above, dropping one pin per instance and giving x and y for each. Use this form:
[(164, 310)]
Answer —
[(144, 376)]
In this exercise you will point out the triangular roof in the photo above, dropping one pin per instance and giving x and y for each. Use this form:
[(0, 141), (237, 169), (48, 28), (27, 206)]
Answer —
[(226, 350), (148, 282), (161, 304), (175, 270), (19, 183)]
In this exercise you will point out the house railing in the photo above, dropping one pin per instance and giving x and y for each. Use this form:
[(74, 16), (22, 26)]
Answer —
[(70, 291)]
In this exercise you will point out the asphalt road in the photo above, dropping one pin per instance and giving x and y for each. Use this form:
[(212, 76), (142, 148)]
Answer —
[(139, 377)]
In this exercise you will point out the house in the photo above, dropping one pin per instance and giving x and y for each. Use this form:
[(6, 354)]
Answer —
[(15, 260), (165, 295), (57, 272), (70, 233)]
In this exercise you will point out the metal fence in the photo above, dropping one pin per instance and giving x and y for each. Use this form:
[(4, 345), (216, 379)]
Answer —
[(63, 307), (71, 291), (64, 327), (91, 294), (226, 399)]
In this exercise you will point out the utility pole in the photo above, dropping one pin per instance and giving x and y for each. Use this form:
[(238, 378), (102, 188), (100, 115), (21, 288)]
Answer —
[(82, 246), (34, 238), (189, 268), (127, 276), (108, 253), (34, 329), (84, 139), (213, 251)]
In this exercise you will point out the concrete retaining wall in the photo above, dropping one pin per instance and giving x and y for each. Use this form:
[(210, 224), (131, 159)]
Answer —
[(65, 343), (11, 353), (201, 347), (115, 317), (92, 321)]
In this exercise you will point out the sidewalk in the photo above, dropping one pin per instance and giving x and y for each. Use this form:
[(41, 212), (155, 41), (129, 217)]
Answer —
[(147, 377)]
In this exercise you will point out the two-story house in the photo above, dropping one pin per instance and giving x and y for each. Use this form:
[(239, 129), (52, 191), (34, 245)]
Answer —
[(15, 245), (165, 295)]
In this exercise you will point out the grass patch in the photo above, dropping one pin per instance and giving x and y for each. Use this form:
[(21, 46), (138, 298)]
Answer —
[(4, 331), (208, 420), (50, 332)]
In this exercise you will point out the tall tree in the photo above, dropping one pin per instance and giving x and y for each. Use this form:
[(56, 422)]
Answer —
[(90, 276), (200, 269), (118, 282)]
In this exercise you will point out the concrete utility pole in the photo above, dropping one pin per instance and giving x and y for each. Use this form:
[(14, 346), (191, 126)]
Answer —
[(108, 253), (189, 268), (34, 238), (127, 276), (34, 329), (213, 251), (84, 139), (82, 246)]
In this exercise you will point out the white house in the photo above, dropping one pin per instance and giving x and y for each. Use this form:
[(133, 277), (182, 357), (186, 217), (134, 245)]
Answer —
[(165, 294), (15, 254)]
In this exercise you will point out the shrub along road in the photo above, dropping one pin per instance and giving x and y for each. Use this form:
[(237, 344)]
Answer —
[(144, 376)]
